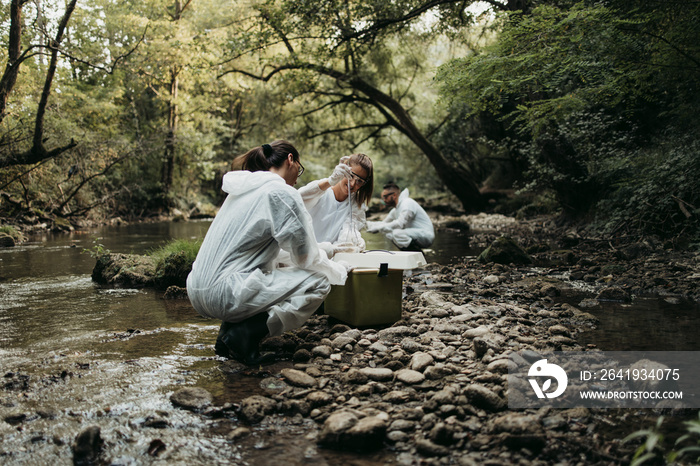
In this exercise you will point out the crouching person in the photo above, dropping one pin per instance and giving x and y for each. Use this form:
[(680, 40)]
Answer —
[(235, 277)]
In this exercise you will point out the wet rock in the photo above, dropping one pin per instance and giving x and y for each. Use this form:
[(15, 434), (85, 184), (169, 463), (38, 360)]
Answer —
[(344, 431), (505, 251), (126, 270), (255, 408), (156, 447), (301, 355), (613, 293), (6, 241), (491, 279), (559, 330), (442, 434), (298, 378), (322, 351), (420, 361), (428, 448), (355, 376), (175, 292), (87, 447), (238, 433), (410, 377), (318, 398), (15, 418), (172, 270), (484, 398), (191, 398), (481, 345), (379, 374), (156, 422)]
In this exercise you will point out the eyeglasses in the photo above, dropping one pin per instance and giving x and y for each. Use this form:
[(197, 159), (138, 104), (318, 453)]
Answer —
[(388, 195), (358, 179), (301, 168)]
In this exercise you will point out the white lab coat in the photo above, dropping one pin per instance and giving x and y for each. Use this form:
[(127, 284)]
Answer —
[(235, 274), (334, 222), (405, 223)]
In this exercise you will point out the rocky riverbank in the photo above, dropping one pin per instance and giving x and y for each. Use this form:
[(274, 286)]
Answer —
[(432, 388)]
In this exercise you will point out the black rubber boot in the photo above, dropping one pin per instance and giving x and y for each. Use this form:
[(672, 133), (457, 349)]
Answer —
[(241, 340)]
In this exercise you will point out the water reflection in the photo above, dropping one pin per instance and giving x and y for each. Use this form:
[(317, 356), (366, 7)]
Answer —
[(647, 324)]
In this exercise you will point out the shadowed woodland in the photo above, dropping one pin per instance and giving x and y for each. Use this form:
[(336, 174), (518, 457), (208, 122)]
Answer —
[(135, 109)]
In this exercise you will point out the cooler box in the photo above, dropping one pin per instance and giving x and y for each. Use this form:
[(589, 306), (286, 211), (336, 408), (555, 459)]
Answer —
[(372, 293)]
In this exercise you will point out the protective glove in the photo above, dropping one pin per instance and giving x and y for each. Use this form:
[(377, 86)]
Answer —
[(374, 227), (327, 248), (347, 265), (340, 172)]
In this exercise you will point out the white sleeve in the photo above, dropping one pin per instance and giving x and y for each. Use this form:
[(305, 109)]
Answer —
[(311, 193), (294, 232)]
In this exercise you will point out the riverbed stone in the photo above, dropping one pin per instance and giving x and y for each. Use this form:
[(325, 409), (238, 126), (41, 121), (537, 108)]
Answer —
[(345, 431), (254, 408), (420, 361), (410, 377), (191, 398), (87, 447), (298, 378), (484, 398), (379, 374)]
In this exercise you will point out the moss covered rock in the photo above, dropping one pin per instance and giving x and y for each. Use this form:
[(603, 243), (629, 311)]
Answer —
[(505, 251), (173, 270), (125, 270)]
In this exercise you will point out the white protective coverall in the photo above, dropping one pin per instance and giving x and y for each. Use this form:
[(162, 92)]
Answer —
[(405, 223), (333, 221), (235, 274)]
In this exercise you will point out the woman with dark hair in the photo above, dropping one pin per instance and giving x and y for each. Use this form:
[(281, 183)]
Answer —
[(337, 204), (235, 276)]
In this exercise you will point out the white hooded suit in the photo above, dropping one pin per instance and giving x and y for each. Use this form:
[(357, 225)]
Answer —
[(236, 276), (405, 223)]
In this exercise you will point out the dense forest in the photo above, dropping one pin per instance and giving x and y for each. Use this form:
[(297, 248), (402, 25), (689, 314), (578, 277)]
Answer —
[(136, 108)]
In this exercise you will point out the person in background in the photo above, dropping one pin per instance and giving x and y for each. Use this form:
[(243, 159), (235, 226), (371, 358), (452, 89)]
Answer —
[(337, 204), (407, 225), (235, 278)]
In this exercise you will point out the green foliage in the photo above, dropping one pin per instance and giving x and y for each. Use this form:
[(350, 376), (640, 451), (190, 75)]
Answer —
[(173, 262), (686, 447), (657, 191), (586, 93), (189, 248), (97, 250), (14, 233)]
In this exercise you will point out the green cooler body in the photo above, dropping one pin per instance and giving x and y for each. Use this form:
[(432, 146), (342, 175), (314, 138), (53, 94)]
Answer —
[(373, 291)]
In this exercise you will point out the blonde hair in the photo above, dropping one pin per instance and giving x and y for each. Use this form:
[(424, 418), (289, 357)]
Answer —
[(364, 194)]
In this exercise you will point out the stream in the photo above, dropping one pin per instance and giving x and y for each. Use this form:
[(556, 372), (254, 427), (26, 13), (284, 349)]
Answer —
[(73, 355)]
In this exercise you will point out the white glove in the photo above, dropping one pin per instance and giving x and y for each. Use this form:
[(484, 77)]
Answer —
[(340, 172), (347, 265), (327, 248), (374, 227)]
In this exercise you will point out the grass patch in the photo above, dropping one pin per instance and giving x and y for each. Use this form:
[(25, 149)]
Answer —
[(188, 247), (12, 232)]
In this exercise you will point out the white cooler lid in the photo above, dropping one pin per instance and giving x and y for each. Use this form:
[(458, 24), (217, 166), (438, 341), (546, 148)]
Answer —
[(403, 260)]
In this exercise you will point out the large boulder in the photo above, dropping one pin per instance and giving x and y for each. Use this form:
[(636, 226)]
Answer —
[(505, 251), (125, 270), (173, 271)]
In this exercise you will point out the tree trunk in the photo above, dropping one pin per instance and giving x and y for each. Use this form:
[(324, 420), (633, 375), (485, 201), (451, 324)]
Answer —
[(169, 157), (9, 77), (458, 180)]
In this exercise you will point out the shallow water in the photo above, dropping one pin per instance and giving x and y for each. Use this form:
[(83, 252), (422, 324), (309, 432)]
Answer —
[(73, 354), (85, 355)]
